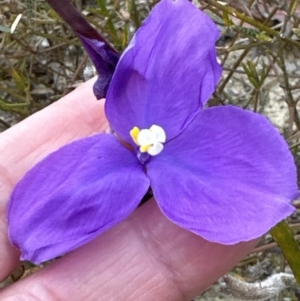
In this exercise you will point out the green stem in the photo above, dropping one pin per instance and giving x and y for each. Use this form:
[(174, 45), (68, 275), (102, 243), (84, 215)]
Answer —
[(284, 237)]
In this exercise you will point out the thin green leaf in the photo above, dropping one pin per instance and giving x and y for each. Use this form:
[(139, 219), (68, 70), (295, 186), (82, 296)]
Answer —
[(105, 12), (226, 20), (284, 237), (21, 108), (252, 69), (254, 82), (134, 14)]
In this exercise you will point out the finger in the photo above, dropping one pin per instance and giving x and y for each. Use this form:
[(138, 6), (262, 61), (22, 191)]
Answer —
[(74, 116), (146, 257)]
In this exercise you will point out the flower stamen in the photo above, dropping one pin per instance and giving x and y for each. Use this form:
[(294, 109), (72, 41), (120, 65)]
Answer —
[(149, 140), (134, 134), (145, 148)]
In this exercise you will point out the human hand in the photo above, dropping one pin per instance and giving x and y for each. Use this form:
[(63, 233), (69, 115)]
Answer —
[(145, 257)]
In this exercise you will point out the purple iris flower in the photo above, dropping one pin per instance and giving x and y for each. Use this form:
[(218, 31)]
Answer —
[(223, 173)]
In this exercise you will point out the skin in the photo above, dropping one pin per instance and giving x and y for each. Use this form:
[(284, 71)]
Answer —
[(145, 257)]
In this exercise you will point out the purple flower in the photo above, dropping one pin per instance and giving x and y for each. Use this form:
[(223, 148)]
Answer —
[(223, 173)]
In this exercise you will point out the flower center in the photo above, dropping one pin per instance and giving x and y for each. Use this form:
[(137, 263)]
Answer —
[(149, 140)]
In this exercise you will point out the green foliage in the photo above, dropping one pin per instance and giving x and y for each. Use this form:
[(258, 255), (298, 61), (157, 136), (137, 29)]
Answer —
[(284, 237), (253, 76), (121, 20)]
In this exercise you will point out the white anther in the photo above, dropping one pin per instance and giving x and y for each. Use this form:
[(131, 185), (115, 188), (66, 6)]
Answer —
[(151, 140), (155, 149), (145, 137), (158, 133)]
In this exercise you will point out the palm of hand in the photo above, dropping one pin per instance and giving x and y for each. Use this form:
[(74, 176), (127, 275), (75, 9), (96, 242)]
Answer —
[(146, 257)]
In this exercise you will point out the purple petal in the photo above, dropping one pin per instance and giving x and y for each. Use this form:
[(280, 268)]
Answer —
[(167, 73), (73, 195), (229, 177)]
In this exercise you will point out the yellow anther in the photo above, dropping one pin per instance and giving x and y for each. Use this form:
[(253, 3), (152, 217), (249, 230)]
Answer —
[(149, 140), (134, 134), (145, 148)]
